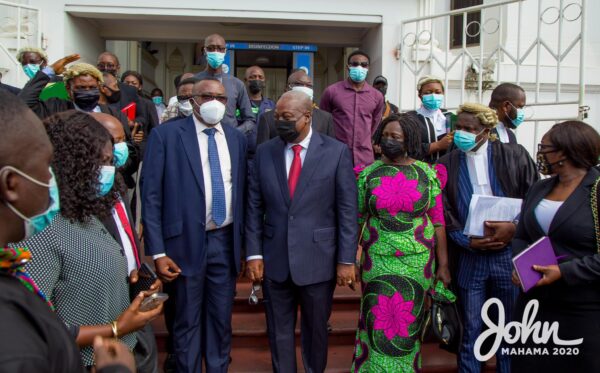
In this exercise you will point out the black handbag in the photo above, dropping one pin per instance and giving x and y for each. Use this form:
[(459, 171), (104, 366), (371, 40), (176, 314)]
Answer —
[(446, 324)]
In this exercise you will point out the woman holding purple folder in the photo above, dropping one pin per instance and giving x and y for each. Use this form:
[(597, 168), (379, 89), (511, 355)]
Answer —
[(563, 207)]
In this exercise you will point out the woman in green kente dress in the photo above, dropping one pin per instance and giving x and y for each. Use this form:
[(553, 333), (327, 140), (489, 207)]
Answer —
[(400, 199)]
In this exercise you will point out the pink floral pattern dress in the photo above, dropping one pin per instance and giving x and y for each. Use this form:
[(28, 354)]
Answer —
[(401, 205)]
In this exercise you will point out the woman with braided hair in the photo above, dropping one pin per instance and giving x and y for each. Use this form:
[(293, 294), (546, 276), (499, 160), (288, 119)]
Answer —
[(481, 165), (564, 208), (404, 249)]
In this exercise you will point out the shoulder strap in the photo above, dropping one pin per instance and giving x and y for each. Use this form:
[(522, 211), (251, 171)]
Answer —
[(595, 209)]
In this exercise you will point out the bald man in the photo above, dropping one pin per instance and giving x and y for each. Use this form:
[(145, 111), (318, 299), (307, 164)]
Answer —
[(193, 184), (301, 231), (255, 84), (237, 98), (322, 121)]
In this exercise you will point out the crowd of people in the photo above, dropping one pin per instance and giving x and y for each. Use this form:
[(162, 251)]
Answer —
[(98, 180)]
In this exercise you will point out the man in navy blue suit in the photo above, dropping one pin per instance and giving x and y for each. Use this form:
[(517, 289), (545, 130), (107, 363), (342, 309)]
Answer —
[(301, 227), (193, 196)]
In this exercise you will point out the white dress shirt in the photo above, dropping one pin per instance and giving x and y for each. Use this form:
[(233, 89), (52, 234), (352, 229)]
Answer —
[(477, 165), (127, 247), (289, 158), (225, 160), (437, 118), (502, 132)]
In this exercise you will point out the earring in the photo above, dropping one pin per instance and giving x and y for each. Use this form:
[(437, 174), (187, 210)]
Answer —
[(560, 163)]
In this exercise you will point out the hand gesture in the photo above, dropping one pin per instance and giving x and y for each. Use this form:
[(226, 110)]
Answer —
[(255, 270), (503, 231), (486, 243), (133, 319), (346, 275), (443, 274), (59, 66), (549, 273), (166, 269), (110, 351), (137, 133)]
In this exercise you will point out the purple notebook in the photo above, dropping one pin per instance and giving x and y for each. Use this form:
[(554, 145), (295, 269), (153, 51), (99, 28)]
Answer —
[(538, 253)]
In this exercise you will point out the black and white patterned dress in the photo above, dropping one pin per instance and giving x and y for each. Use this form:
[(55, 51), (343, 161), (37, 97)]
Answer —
[(83, 270)]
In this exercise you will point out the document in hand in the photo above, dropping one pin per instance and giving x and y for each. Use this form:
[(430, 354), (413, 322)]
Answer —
[(538, 253), (490, 208)]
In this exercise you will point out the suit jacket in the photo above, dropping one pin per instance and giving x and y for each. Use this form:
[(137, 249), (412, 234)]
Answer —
[(172, 188), (322, 122), (573, 238), (111, 226), (128, 95), (14, 90), (307, 236)]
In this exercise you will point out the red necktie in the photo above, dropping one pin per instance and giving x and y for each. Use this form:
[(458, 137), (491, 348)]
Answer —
[(125, 223), (295, 170)]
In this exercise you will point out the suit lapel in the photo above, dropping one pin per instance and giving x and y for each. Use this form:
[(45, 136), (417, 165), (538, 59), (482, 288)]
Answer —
[(189, 138), (278, 158), (579, 197), (310, 164), (111, 227)]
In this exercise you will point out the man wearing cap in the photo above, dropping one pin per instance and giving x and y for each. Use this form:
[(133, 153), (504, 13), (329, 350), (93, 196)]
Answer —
[(436, 134), (380, 83)]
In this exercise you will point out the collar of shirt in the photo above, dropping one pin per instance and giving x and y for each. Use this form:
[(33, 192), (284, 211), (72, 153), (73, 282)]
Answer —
[(304, 143), (200, 127), (479, 152), (349, 85), (437, 117)]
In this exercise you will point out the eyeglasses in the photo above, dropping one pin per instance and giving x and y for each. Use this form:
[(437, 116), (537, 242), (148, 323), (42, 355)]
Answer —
[(300, 84), (206, 98), (183, 98), (541, 147), (356, 64), (215, 48), (102, 65), (253, 298)]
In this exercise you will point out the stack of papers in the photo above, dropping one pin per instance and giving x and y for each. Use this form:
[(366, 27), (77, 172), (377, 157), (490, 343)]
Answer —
[(490, 208)]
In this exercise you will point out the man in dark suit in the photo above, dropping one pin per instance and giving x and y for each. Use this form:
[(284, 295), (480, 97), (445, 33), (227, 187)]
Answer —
[(322, 121), (192, 186), (301, 223)]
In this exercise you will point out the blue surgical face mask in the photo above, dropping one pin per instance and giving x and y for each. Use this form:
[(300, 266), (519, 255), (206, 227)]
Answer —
[(432, 101), (358, 73), (465, 141), (38, 223), (31, 69), (120, 154), (520, 116), (106, 180), (157, 100), (215, 59)]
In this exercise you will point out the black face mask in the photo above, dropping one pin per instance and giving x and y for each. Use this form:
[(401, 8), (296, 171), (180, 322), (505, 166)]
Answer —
[(545, 167), (287, 130), (392, 149), (255, 86), (86, 100), (114, 97), (383, 90)]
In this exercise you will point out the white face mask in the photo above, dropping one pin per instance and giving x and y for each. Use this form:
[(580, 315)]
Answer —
[(212, 112), (186, 108), (308, 91)]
